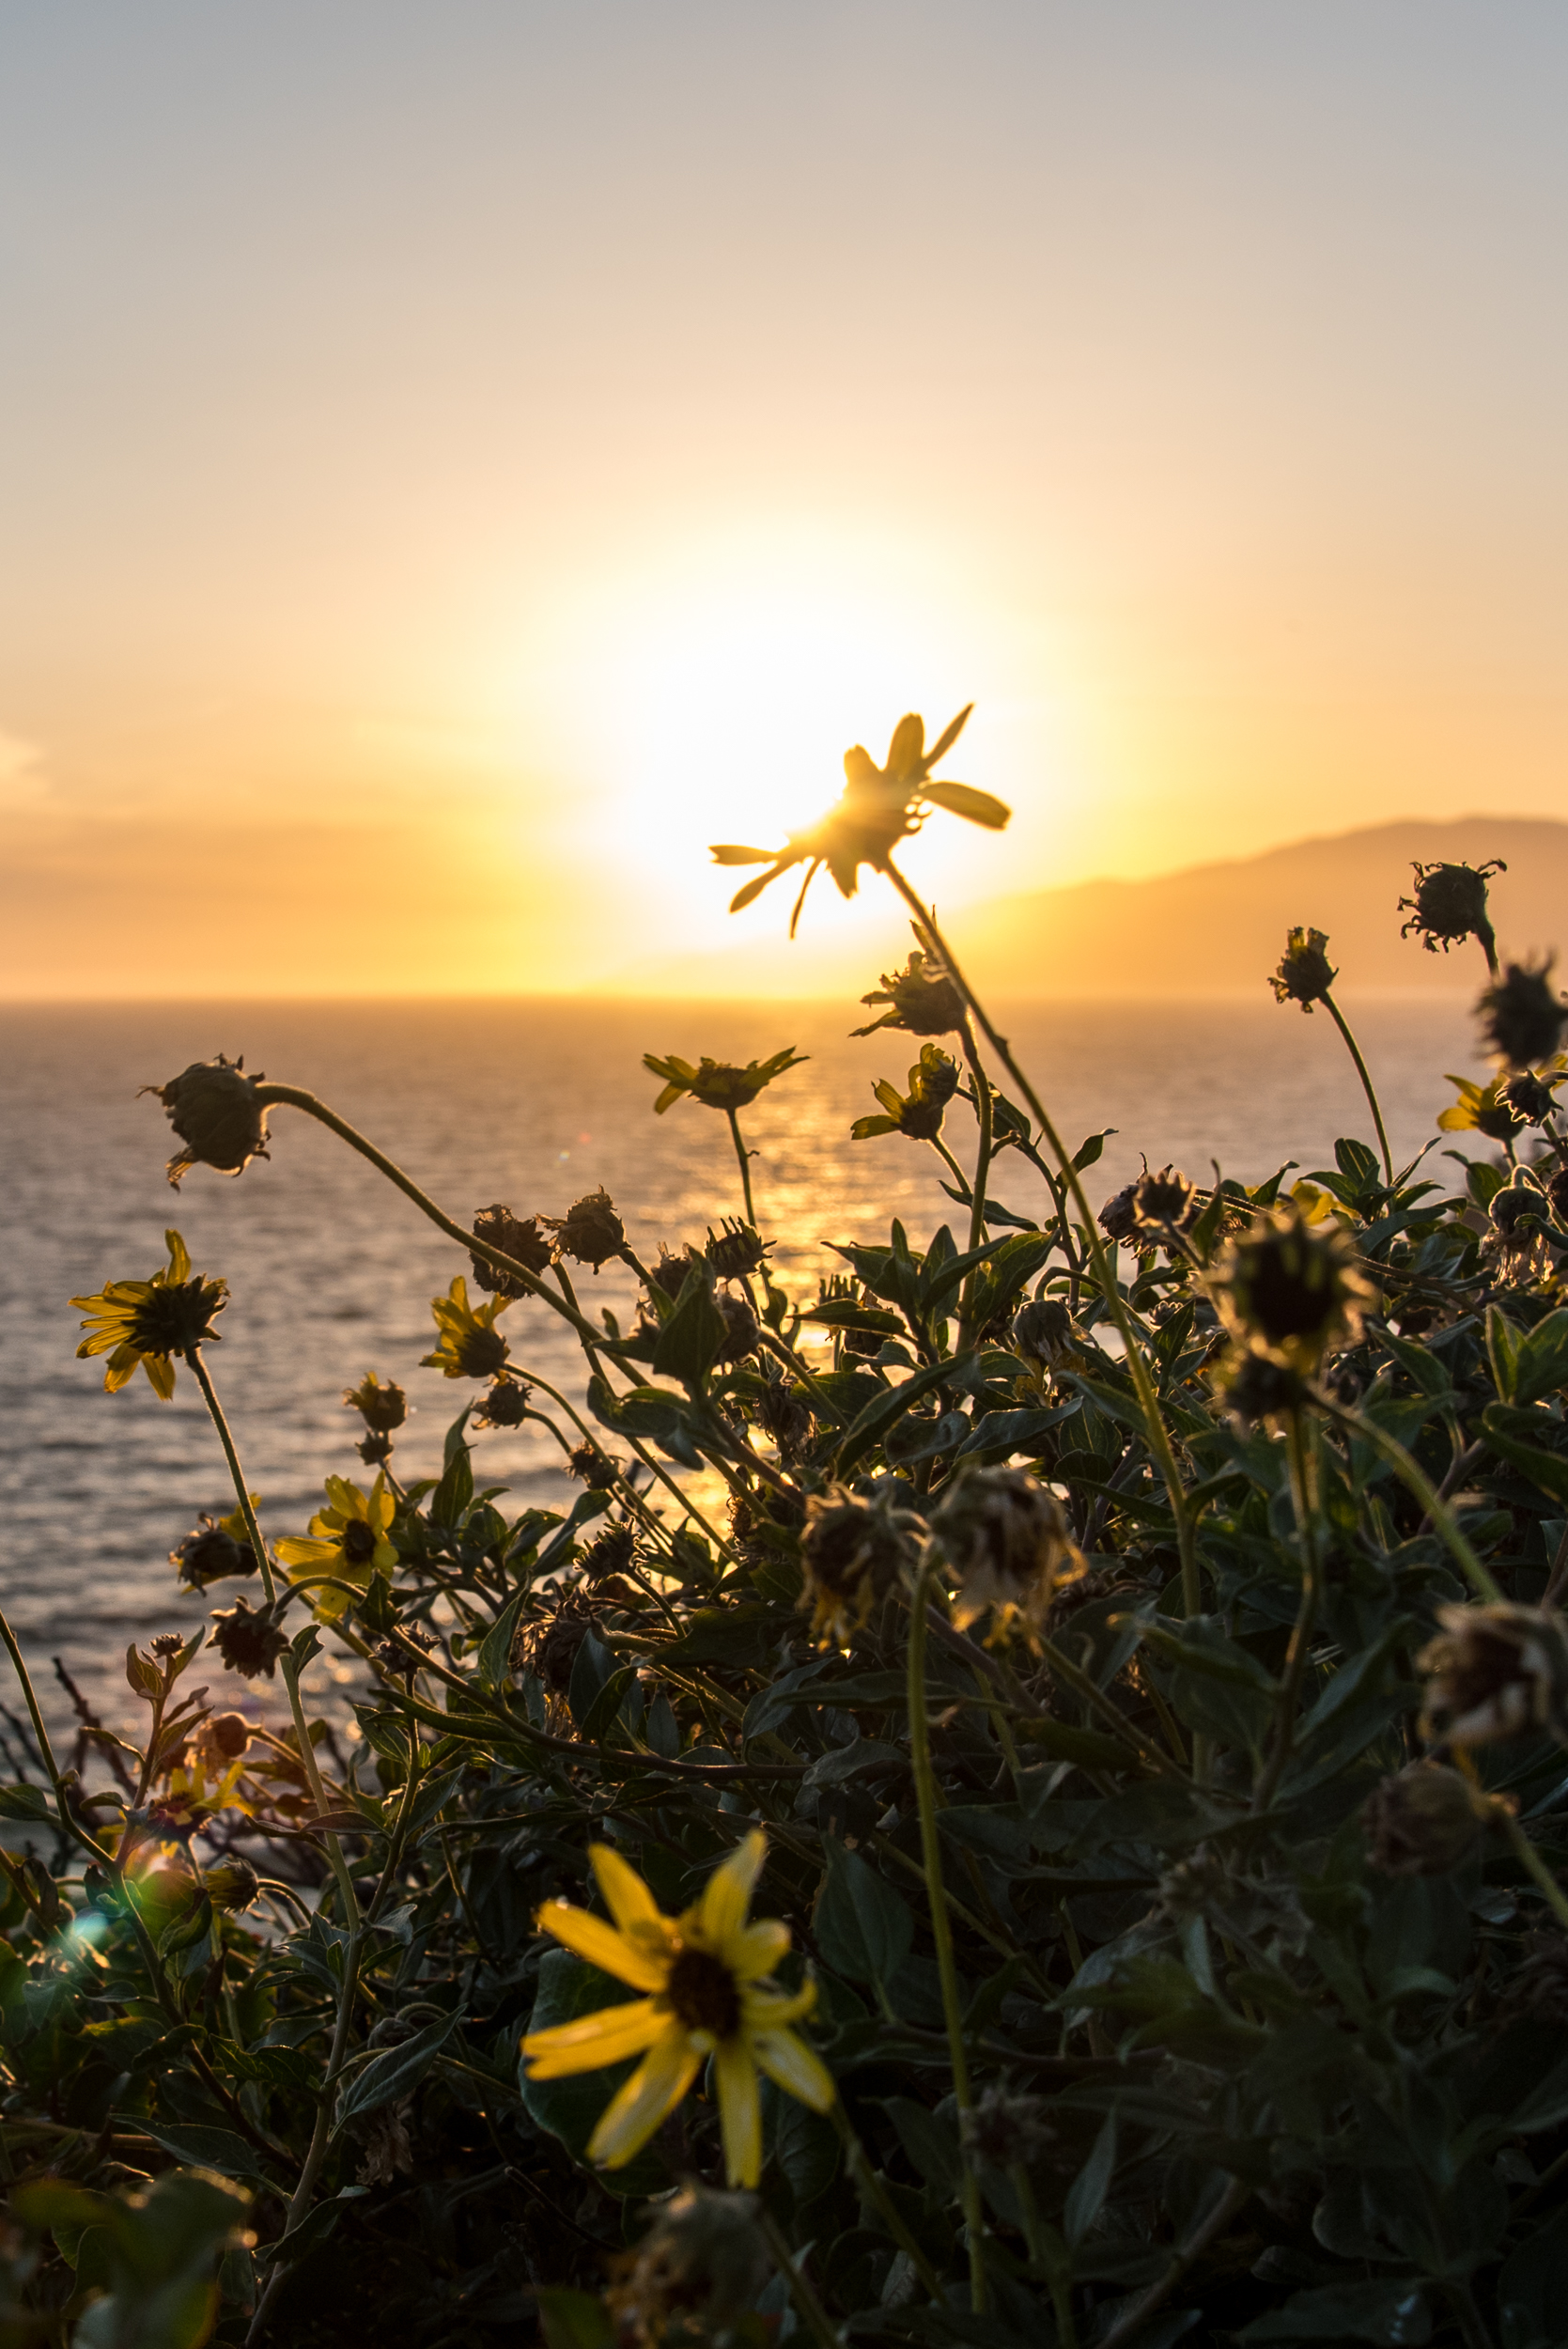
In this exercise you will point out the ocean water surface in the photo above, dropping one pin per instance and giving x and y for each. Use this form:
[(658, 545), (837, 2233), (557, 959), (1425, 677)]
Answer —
[(530, 1103)]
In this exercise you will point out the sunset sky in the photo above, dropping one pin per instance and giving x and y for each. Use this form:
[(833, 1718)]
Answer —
[(457, 461)]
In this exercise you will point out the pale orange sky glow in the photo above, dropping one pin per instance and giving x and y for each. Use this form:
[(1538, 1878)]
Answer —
[(458, 462)]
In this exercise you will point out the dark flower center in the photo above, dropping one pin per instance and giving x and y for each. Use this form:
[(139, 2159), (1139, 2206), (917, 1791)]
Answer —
[(481, 1352), (176, 1316), (702, 1991), (359, 1542)]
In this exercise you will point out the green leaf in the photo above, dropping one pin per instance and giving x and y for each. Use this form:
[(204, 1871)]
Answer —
[(653, 1412), (693, 1333), (393, 2072), (1503, 1344), (961, 799), (575, 2320), (449, 1502), (931, 2143), (872, 1427), (863, 1928), (25, 1802), (492, 1663), (200, 2147), (1541, 1364), (570, 2108), (1086, 2199), (1389, 2310), (143, 1676), (1546, 1469), (600, 1717)]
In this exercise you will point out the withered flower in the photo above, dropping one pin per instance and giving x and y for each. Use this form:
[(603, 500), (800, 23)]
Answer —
[(1522, 1014), (1305, 974), (1495, 1673), (590, 1232), (921, 999), (595, 1468), (1004, 2129), (852, 1551), (1007, 1539), (1531, 1095), (879, 806), (506, 1403), (249, 1641), (382, 1407), (668, 1272), (1293, 1288), (212, 1106), (1118, 1218), (1450, 905), (396, 1660), (699, 2270), (742, 1333), (735, 1251), (1043, 1336), (518, 1237), (1422, 1821), (783, 1411), (1257, 1389), (218, 1547), (1517, 1239), (1162, 1202), (611, 1550), (933, 1081)]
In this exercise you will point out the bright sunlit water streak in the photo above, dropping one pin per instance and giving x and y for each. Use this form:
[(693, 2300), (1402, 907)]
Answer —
[(531, 1103)]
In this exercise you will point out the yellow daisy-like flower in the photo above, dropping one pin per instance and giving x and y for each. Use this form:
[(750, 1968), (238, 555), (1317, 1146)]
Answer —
[(347, 1538), (704, 1976), (471, 1345), (150, 1321), (718, 1085)]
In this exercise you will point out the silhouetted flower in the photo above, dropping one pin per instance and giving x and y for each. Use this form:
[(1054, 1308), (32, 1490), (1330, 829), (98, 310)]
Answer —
[(1293, 1288), (879, 806), (518, 1237), (1516, 1238), (471, 1345), (1043, 1333), (596, 1468), (231, 1887), (611, 1552), (1162, 1202), (382, 1407), (921, 999), (1450, 905), (742, 1333), (1118, 1218), (1256, 1388), (933, 1081), (735, 1251), (717, 1084), (852, 1553), (1532, 1093), (1483, 1109), (249, 1641), (212, 1106), (219, 1547), (590, 1232), (1305, 974), (505, 1403), (1522, 1014)]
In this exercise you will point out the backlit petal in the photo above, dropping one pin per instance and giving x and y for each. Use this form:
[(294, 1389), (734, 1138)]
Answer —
[(594, 2040), (723, 1909), (602, 1946), (636, 2110), (740, 2112), (767, 2010), (796, 2069), (160, 1372), (626, 1896), (755, 1949)]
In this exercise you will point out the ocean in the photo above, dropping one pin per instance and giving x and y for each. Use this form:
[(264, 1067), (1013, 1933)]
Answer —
[(530, 1103)]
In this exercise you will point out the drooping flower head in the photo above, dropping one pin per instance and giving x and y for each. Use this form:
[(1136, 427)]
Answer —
[(1044, 1336), (705, 1994), (933, 1081), (921, 999), (1495, 1673), (213, 1108), (518, 1237), (348, 1539), (471, 1345), (250, 1640), (1522, 1014), (506, 1403), (1007, 1539), (1450, 905), (852, 1552), (590, 1232), (1305, 974), (1292, 1289), (1118, 1218), (1518, 1240), (217, 1548), (718, 1085), (879, 806), (382, 1407), (151, 1321), (695, 2276)]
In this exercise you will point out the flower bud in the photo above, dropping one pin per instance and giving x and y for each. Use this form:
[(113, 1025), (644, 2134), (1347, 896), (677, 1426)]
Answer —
[(382, 1407), (590, 1232), (1305, 974), (595, 1468), (1420, 1822), (232, 1886), (1162, 1202), (1118, 1219), (230, 1732), (213, 1109), (1006, 1537), (1043, 1333), (668, 1272), (519, 1237), (1495, 1673), (611, 1552), (1522, 1014), (783, 1413), (736, 1251), (743, 1335), (1531, 1101)]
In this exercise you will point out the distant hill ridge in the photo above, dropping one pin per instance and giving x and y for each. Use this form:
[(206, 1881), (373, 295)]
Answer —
[(1212, 929)]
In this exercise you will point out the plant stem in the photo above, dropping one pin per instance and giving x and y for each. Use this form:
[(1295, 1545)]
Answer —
[(887, 2209), (982, 1173), (942, 1930), (1525, 1851), (808, 2307), (1304, 1497), (1192, 2251), (1148, 1401), (1337, 1016), (745, 1158)]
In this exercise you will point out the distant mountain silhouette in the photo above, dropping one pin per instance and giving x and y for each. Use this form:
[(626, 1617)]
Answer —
[(1213, 930)]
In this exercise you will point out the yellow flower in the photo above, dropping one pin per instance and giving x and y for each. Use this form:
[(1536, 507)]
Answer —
[(471, 1345), (1482, 1110), (878, 807), (150, 1321), (718, 1085), (702, 1976), (348, 1539)]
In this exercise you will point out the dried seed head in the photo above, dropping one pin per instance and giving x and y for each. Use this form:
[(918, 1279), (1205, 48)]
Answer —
[(743, 1335), (382, 1407), (230, 1732), (249, 1641), (611, 1552), (921, 999), (394, 1658), (505, 1403), (1006, 1537), (519, 1237), (1043, 1335), (1293, 1288), (737, 1250), (210, 1554), (1006, 2131), (1305, 974), (1162, 1202), (590, 1232), (1422, 1822), (668, 1272), (1118, 1218), (700, 2268), (1450, 905), (593, 1467), (852, 1552), (166, 1643), (212, 1106), (1495, 1673), (232, 1886), (1522, 1014)]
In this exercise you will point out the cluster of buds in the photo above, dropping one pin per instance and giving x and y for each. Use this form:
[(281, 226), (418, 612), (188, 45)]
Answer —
[(215, 1548)]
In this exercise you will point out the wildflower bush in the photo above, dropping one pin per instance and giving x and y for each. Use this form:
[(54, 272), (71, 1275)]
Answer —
[(1065, 1852)]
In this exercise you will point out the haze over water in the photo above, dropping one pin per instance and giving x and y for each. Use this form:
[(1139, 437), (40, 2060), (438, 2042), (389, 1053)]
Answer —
[(531, 1103)]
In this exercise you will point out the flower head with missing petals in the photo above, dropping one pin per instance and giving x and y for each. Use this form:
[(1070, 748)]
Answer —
[(151, 1321), (704, 1977), (1486, 1109), (1450, 905), (1522, 1014), (1305, 974), (919, 1113), (921, 999), (214, 1107), (1007, 1539), (878, 807)]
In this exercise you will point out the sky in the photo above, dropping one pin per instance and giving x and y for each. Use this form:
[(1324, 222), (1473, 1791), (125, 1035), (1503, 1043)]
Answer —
[(456, 461)]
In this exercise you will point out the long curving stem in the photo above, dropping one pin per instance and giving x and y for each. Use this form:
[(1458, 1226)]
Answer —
[(942, 1930), (982, 1171), (745, 1158), (1337, 1016)]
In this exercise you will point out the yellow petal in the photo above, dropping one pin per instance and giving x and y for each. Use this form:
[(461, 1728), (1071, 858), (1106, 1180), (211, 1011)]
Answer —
[(626, 1896), (636, 2110), (160, 1372), (723, 1908), (179, 1256), (765, 2010), (796, 2069), (594, 2040), (346, 1497), (755, 1949), (739, 2111), (602, 1946)]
